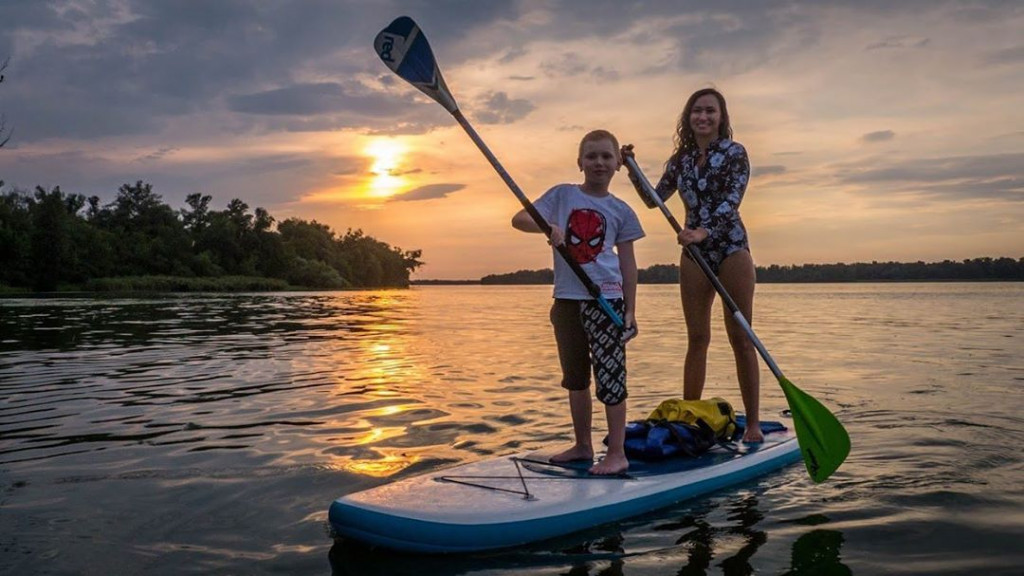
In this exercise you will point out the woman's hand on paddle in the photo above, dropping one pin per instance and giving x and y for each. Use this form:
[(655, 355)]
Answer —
[(687, 236)]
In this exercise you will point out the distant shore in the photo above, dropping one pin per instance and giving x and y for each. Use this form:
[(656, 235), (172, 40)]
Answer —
[(984, 269), (972, 270)]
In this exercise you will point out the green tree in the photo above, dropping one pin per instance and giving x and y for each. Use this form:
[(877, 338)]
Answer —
[(197, 218), (16, 265), (52, 248), (50, 239), (150, 237)]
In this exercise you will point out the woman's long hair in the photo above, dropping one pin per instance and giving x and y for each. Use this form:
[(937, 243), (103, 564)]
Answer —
[(684, 139)]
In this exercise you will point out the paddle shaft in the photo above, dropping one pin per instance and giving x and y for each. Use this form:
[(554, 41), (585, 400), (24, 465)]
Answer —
[(695, 253), (537, 218)]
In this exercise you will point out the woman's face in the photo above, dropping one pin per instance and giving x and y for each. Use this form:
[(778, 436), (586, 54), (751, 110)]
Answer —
[(705, 117)]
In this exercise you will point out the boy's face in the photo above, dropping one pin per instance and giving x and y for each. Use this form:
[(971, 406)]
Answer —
[(599, 161)]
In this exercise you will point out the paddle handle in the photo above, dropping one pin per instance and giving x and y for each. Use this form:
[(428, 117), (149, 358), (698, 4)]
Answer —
[(592, 288), (645, 188)]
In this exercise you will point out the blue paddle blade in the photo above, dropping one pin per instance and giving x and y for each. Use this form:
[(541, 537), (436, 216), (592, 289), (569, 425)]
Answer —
[(405, 50)]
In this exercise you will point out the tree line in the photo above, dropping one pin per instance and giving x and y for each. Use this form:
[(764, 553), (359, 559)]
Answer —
[(947, 270), (53, 240)]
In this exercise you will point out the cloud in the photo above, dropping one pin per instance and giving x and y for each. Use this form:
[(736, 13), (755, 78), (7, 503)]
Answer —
[(997, 176), (498, 108), (397, 172), (899, 42), (297, 99), (773, 170), (1014, 55), (605, 74), (567, 65), (157, 154), (879, 136), (429, 192), (512, 55)]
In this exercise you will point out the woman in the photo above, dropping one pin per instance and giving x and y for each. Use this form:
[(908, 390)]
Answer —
[(711, 171)]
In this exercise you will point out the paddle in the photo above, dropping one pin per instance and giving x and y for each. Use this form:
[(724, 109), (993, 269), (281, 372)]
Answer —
[(823, 441), (405, 50)]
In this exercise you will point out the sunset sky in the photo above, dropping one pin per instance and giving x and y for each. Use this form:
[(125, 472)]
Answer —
[(877, 130)]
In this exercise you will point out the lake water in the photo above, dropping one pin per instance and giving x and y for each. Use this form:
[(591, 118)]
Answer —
[(208, 434)]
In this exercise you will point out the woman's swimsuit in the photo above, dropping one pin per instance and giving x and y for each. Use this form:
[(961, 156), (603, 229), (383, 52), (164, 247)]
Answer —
[(712, 194)]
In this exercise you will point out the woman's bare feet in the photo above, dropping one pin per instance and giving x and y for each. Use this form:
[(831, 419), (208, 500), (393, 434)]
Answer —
[(574, 454), (753, 434), (610, 465)]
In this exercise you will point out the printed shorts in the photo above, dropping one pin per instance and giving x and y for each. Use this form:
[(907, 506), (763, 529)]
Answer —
[(588, 341)]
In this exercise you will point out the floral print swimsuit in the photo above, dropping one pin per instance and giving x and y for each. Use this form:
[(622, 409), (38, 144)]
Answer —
[(712, 194)]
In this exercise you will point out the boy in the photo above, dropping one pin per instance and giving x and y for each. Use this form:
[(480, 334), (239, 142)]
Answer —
[(598, 230)]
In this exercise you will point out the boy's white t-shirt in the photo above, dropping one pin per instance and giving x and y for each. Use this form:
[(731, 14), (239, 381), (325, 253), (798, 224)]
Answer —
[(593, 225)]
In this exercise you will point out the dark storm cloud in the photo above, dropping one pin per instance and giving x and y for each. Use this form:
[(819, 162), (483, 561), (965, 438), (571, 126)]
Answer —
[(429, 192)]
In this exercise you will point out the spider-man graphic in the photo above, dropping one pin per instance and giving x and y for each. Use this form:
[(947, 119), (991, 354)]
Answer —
[(585, 234)]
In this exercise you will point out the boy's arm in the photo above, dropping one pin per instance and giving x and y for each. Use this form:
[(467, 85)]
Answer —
[(627, 266), (524, 222)]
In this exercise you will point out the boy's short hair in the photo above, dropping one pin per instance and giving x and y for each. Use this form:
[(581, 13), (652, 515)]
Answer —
[(595, 135)]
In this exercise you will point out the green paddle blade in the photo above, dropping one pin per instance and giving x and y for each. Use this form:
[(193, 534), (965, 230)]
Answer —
[(823, 441)]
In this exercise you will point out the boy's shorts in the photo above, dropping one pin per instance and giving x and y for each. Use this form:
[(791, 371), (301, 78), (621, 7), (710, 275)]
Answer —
[(588, 341)]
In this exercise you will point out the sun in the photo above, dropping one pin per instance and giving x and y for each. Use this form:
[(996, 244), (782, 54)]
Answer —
[(387, 154)]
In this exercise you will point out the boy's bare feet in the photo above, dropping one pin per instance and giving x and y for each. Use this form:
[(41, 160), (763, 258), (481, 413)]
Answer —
[(574, 454), (610, 465)]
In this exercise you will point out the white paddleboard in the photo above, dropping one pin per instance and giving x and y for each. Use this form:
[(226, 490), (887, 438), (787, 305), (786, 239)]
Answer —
[(514, 500)]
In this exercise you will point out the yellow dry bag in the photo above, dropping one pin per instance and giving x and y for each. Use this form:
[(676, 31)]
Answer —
[(716, 413)]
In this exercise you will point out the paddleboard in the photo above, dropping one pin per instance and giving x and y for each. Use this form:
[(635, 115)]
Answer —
[(514, 500)]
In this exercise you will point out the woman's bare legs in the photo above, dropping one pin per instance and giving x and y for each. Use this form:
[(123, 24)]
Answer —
[(697, 295), (738, 276)]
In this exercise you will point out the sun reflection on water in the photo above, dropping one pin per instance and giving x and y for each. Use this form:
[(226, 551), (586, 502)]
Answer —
[(382, 468)]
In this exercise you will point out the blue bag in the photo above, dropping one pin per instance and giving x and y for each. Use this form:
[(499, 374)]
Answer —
[(661, 439)]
